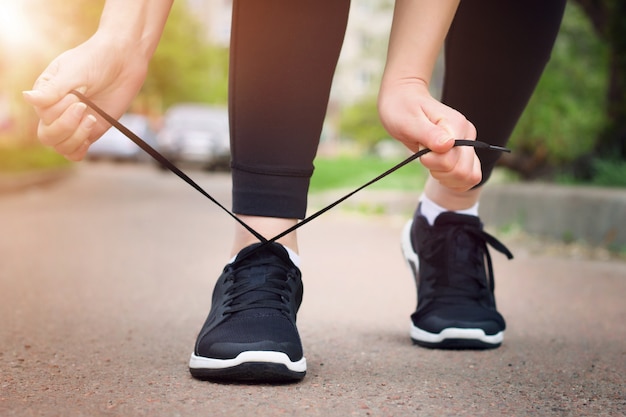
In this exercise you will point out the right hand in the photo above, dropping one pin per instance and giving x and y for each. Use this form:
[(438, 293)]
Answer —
[(98, 68), (412, 116)]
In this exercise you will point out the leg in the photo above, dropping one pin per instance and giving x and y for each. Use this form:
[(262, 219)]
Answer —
[(495, 54), (283, 56)]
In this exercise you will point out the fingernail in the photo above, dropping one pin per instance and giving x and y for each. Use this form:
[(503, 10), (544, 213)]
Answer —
[(32, 94), (79, 109), (90, 121)]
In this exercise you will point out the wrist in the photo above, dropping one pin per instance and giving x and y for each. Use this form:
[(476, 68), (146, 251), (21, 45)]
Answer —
[(392, 81), (119, 50), (135, 27)]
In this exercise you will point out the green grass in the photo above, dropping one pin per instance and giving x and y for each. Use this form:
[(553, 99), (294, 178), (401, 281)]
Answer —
[(352, 172), (16, 159)]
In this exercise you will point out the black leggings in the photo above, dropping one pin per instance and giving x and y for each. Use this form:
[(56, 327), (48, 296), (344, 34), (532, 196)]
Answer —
[(283, 57)]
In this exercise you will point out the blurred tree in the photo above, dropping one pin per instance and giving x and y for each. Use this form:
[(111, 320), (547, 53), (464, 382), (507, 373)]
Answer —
[(360, 122), (567, 111), (577, 117), (185, 66), (609, 21)]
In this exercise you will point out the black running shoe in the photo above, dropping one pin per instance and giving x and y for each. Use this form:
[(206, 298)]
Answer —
[(456, 308), (250, 334)]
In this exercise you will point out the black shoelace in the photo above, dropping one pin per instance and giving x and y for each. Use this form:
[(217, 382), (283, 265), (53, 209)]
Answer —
[(173, 168), (273, 292), (480, 262)]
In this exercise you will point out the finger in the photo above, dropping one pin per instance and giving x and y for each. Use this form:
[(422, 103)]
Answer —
[(437, 138), (79, 153), (464, 174), (62, 128), (51, 113), (79, 138), (55, 82), (50, 94)]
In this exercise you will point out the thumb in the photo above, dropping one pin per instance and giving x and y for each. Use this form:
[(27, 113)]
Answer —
[(439, 139), (51, 86)]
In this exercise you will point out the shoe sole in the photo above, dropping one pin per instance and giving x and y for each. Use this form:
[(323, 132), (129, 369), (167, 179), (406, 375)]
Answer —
[(451, 337), (252, 366), (456, 338)]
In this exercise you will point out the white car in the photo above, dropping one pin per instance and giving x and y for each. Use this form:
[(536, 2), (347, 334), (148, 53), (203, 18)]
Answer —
[(113, 145), (196, 133)]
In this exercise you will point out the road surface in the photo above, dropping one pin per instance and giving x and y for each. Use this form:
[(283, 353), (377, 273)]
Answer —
[(106, 277)]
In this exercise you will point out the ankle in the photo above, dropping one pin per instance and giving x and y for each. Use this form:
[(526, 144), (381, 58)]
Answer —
[(431, 210), (448, 199), (268, 227)]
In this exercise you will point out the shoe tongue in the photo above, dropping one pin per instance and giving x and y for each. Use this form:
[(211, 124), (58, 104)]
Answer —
[(450, 217), (462, 251), (256, 265), (254, 253)]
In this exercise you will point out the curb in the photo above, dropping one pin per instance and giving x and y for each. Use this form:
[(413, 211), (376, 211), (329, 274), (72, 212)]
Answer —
[(570, 213), (593, 215)]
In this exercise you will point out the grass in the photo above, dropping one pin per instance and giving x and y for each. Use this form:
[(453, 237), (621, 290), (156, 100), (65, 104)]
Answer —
[(18, 159), (349, 172)]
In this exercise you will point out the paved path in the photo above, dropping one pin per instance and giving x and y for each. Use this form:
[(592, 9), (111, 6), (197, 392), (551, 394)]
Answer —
[(106, 277)]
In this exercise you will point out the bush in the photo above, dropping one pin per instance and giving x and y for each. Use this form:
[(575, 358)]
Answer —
[(567, 111), (16, 159), (609, 173), (360, 122)]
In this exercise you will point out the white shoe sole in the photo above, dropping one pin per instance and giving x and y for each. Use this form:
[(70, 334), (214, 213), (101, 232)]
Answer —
[(278, 358), (455, 333)]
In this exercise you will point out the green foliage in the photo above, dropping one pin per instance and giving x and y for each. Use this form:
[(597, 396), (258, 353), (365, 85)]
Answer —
[(567, 112), (27, 158), (185, 67), (609, 173), (360, 122)]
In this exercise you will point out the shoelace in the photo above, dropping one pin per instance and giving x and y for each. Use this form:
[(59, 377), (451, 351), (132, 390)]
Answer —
[(173, 168), (272, 293), (482, 240)]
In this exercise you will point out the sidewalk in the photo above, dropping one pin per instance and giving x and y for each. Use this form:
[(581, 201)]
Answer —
[(103, 295)]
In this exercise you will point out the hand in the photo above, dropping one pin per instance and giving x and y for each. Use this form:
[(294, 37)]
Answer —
[(412, 116), (99, 69)]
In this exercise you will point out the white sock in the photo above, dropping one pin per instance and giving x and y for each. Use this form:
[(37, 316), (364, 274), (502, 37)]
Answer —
[(430, 210), (295, 258)]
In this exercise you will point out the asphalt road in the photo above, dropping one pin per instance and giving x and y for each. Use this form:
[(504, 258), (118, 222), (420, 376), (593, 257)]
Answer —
[(106, 277)]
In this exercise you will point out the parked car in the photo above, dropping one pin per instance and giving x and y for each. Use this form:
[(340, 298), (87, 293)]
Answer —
[(196, 134), (113, 145)]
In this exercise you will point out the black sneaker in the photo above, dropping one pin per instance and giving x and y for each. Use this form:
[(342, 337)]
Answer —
[(456, 308), (250, 334)]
